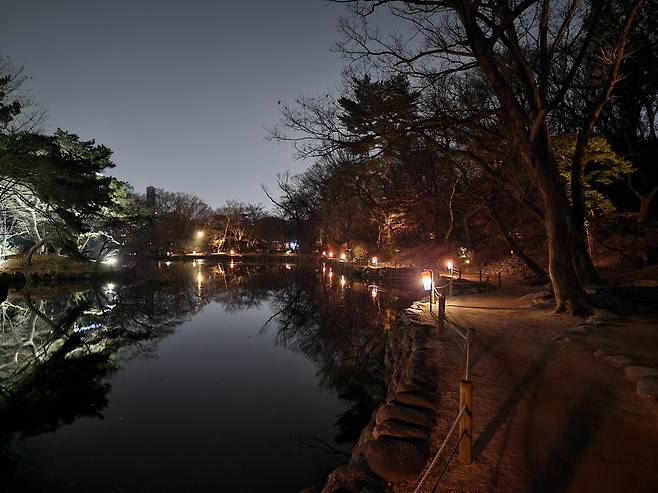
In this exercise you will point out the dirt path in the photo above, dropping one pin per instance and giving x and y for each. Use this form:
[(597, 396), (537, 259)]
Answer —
[(549, 416)]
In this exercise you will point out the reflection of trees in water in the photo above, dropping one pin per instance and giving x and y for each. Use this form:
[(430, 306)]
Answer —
[(342, 331), (236, 287), (57, 347)]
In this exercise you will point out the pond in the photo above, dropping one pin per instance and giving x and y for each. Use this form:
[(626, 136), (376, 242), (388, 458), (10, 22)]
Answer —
[(189, 377)]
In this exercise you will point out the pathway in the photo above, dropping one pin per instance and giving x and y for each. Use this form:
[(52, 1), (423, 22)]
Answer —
[(549, 416)]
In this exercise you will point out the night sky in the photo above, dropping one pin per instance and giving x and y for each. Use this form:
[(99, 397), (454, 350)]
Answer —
[(181, 91)]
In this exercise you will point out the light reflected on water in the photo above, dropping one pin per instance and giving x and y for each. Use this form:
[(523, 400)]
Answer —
[(202, 361)]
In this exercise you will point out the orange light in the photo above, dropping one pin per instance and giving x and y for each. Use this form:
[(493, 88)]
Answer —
[(343, 256), (374, 260), (427, 277), (331, 254), (449, 264)]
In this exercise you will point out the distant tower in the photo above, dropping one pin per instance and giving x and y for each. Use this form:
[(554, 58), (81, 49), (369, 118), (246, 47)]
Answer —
[(150, 196)]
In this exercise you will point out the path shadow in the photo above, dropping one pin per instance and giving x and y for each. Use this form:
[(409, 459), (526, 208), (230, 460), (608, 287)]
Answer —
[(564, 458), (517, 393)]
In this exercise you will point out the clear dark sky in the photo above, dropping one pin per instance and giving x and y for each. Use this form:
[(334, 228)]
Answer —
[(182, 91)]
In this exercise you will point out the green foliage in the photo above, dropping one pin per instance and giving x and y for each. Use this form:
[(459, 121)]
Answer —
[(64, 173), (379, 113), (603, 167), (8, 109)]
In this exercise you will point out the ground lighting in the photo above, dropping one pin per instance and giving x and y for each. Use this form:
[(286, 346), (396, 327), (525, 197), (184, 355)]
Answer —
[(427, 277), (373, 292)]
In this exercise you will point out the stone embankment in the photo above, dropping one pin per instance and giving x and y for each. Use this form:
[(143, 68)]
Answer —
[(394, 447)]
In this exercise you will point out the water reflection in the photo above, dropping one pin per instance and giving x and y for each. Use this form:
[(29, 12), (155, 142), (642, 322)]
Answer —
[(58, 346)]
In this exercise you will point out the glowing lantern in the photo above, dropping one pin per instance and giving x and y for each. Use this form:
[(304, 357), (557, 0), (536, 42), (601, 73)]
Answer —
[(199, 234), (324, 254), (449, 265), (373, 261), (343, 256), (342, 281), (428, 279), (232, 252), (331, 254)]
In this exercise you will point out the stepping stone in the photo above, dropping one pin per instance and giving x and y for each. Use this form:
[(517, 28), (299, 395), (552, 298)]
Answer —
[(637, 372), (406, 414), (413, 399), (350, 479), (400, 429), (647, 388), (392, 459), (617, 360), (581, 329)]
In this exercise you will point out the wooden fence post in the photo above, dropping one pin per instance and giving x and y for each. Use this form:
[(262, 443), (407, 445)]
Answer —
[(466, 422), (480, 276), (442, 309), (432, 296)]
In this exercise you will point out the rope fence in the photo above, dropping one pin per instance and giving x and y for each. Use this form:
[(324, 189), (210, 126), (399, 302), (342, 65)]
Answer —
[(464, 418)]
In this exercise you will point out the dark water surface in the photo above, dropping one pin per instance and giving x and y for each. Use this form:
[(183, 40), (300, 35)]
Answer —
[(190, 377)]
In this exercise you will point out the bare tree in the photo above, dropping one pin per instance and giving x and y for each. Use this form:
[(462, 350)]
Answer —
[(530, 54)]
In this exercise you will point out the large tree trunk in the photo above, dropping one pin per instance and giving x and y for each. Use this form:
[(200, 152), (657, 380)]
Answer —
[(569, 295), (645, 205), (582, 260), (35, 247)]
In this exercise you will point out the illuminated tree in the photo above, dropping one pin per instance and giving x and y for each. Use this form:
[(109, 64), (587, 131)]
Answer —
[(529, 54)]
